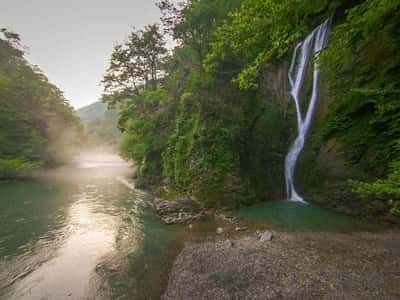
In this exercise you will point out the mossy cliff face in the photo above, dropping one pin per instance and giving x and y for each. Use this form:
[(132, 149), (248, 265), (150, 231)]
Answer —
[(349, 159), (268, 135), (323, 170), (240, 159)]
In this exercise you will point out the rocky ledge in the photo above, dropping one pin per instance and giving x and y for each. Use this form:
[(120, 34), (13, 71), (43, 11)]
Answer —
[(181, 211), (289, 266)]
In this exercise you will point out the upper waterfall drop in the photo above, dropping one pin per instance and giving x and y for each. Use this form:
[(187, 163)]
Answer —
[(303, 53)]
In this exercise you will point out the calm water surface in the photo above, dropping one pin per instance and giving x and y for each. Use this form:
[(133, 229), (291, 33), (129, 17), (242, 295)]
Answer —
[(82, 232), (295, 216)]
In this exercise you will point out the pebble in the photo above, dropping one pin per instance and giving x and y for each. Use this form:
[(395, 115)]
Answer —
[(240, 228), (220, 230), (228, 244), (266, 236)]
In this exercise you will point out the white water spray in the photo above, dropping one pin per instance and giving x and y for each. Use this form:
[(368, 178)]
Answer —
[(304, 52)]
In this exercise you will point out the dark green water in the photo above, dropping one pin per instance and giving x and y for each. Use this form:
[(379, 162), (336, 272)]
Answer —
[(82, 233), (292, 216)]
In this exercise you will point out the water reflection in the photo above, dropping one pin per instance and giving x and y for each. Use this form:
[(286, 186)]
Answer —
[(68, 274), (82, 232)]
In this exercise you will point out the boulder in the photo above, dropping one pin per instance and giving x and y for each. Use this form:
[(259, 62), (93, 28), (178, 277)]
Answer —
[(181, 211), (265, 236)]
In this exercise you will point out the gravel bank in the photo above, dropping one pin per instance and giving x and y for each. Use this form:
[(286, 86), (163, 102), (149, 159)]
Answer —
[(306, 265)]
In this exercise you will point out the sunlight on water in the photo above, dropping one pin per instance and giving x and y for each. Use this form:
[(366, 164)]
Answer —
[(81, 232), (96, 160), (69, 273)]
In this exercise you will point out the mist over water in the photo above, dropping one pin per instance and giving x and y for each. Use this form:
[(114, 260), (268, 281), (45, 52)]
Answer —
[(82, 232)]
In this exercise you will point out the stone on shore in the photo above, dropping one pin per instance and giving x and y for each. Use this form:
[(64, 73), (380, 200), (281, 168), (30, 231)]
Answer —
[(266, 236), (181, 211)]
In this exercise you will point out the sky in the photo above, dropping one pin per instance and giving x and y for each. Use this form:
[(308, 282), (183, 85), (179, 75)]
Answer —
[(72, 40)]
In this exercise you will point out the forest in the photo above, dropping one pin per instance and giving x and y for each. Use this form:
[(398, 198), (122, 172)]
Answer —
[(38, 126), (218, 149), (211, 118)]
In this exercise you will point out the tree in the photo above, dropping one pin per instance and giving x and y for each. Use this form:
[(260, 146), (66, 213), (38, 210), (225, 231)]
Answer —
[(38, 127), (135, 65), (191, 22)]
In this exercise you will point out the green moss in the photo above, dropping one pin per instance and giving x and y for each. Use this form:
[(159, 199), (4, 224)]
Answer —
[(17, 167)]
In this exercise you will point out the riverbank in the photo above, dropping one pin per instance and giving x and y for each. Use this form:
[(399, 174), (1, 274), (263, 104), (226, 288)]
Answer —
[(296, 265)]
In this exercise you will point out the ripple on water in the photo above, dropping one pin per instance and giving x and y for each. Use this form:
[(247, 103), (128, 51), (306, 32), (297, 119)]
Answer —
[(84, 236)]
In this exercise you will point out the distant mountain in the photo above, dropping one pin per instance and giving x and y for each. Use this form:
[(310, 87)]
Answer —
[(100, 124), (91, 112)]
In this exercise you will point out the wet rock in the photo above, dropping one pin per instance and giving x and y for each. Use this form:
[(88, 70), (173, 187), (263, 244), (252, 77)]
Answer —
[(181, 211), (235, 220), (141, 183), (225, 218)]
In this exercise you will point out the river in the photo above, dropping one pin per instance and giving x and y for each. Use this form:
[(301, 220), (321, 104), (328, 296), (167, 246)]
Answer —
[(83, 232)]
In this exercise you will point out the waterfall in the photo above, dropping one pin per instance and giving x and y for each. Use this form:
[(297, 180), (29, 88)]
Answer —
[(303, 53)]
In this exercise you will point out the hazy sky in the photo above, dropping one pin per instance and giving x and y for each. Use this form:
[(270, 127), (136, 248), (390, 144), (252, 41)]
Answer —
[(71, 40)]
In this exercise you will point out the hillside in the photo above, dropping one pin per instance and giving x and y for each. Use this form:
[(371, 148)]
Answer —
[(92, 111), (100, 124), (38, 126)]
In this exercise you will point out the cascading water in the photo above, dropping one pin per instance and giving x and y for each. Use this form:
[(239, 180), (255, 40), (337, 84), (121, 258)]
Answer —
[(315, 42)]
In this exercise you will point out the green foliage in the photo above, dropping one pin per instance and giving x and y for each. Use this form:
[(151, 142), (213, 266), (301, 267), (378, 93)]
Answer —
[(146, 121), (362, 65), (15, 167), (262, 32), (210, 126), (135, 65), (194, 22), (386, 190), (38, 127)]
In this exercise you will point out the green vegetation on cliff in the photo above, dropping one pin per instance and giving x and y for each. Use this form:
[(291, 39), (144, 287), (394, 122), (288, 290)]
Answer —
[(362, 67), (38, 127), (213, 118)]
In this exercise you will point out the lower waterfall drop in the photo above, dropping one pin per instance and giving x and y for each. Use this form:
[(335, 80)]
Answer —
[(304, 52)]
